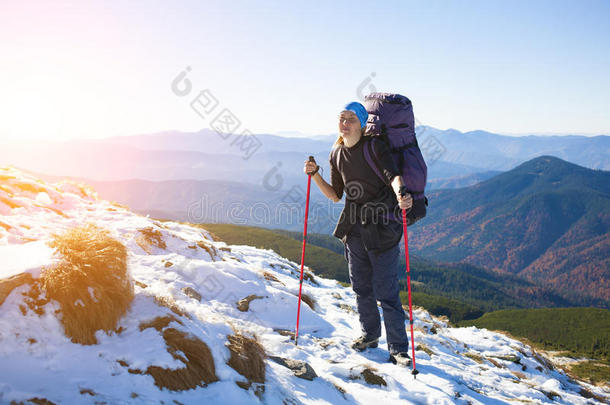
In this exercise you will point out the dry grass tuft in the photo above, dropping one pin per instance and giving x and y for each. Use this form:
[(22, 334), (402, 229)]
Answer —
[(170, 304), (10, 203), (208, 248), (5, 177), (426, 349), (7, 285), (474, 356), (150, 237), (588, 394), (285, 332), (244, 304), (494, 362), (244, 384), (552, 395), (340, 389), (215, 237), (55, 210), (159, 323), (34, 299), (35, 401), (247, 357), (91, 282), (78, 188), (199, 367), (307, 276), (119, 205), (270, 277), (6, 189), (309, 301), (510, 357), (191, 293), (542, 360), (371, 378), (30, 187)]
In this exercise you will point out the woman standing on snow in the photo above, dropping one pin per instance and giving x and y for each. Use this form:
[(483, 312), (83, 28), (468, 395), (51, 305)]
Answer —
[(370, 239)]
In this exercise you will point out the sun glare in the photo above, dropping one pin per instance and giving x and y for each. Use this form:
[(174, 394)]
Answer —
[(33, 108), (32, 115), (48, 106)]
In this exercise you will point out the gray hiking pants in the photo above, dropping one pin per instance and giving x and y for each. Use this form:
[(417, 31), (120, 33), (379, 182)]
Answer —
[(375, 278)]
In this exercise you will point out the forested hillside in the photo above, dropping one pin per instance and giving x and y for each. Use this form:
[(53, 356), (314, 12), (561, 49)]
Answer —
[(547, 220)]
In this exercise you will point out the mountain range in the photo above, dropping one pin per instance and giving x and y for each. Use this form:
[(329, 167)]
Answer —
[(489, 151), (547, 220), (276, 162)]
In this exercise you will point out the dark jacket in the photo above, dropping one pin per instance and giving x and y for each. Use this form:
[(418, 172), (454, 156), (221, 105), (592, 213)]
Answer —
[(368, 200)]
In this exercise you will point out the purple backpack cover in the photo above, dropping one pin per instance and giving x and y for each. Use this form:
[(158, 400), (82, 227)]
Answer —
[(391, 120)]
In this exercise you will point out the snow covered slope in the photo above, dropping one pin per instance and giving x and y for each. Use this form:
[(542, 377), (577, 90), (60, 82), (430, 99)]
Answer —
[(209, 291)]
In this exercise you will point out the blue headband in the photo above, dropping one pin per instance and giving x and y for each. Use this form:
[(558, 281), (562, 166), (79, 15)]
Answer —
[(359, 110)]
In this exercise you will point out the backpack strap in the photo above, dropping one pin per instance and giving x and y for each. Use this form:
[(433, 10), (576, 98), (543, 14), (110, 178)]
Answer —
[(371, 157)]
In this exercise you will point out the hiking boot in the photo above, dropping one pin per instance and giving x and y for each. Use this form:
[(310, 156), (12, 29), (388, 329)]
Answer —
[(401, 359), (363, 343)]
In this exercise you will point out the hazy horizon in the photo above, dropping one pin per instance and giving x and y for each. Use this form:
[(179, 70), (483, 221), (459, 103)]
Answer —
[(281, 133)]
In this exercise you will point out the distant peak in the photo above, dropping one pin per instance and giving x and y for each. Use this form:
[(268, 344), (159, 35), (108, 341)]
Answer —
[(547, 160), (551, 165)]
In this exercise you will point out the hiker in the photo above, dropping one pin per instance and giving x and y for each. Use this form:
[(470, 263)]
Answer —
[(370, 239)]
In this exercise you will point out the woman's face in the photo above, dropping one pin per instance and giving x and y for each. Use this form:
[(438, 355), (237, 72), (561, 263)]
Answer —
[(349, 124)]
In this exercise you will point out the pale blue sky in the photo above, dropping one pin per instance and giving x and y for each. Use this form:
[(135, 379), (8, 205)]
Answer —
[(94, 69)]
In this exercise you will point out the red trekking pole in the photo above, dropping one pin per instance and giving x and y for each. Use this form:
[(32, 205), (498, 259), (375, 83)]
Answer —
[(296, 336), (403, 192)]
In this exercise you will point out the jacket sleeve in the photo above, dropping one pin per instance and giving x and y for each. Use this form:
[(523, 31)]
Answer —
[(384, 157), (336, 181)]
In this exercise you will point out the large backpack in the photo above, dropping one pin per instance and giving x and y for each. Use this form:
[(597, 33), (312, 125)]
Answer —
[(391, 121)]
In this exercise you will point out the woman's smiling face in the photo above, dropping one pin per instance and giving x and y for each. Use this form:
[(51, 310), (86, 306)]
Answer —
[(349, 124)]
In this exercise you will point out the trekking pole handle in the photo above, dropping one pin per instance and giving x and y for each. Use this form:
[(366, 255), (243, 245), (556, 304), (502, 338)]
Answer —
[(403, 191), (312, 160)]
